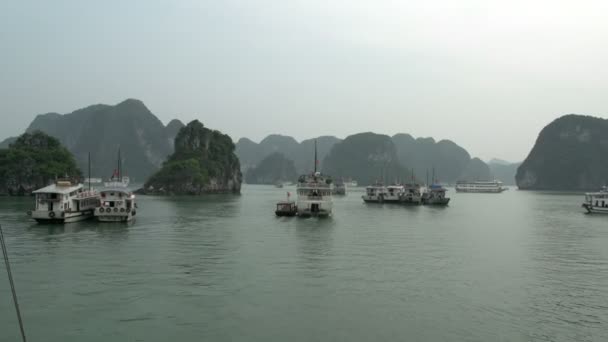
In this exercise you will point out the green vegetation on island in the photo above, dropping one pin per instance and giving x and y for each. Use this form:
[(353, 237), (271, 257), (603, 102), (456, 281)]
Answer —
[(203, 162), (569, 154), (32, 161), (101, 129), (272, 169), (366, 157)]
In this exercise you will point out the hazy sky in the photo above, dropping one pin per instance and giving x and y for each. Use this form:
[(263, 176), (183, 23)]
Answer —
[(486, 74)]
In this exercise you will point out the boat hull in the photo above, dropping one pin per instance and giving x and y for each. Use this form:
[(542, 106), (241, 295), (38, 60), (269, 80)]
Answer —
[(481, 191), (591, 209), (115, 216), (61, 217), (437, 201)]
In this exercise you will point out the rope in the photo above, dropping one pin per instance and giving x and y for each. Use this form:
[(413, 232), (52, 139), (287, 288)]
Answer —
[(10, 279)]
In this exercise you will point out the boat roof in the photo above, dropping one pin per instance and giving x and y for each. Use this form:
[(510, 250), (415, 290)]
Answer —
[(115, 189), (56, 189)]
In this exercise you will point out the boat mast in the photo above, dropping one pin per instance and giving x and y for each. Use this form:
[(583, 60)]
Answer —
[(89, 171), (316, 161), (119, 166)]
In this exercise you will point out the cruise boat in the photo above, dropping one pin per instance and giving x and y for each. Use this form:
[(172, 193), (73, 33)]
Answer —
[(435, 195), (118, 180), (412, 194), (339, 188), (116, 205), (597, 202), (480, 186), (374, 193), (64, 202), (351, 183), (314, 193), (394, 193)]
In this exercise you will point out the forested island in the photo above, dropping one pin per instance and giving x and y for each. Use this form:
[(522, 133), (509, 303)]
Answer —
[(275, 168), (569, 154), (33, 160), (203, 162)]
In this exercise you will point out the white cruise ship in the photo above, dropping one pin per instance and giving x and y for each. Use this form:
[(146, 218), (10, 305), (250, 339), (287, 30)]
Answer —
[(64, 202), (480, 186), (374, 193), (314, 193), (117, 205), (597, 202)]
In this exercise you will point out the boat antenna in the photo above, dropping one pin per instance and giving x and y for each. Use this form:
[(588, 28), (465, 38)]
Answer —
[(316, 160), (10, 279), (89, 171), (119, 165)]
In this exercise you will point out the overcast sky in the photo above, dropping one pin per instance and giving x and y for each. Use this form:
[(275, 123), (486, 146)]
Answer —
[(488, 75)]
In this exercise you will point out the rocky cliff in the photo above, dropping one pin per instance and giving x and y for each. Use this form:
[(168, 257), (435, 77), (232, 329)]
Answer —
[(366, 157), (569, 154), (272, 169), (101, 129), (203, 162)]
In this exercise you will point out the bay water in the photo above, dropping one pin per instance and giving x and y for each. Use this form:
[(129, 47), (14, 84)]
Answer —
[(516, 266)]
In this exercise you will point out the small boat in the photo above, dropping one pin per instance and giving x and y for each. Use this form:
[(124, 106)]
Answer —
[(493, 187), (597, 202), (339, 188), (278, 185), (412, 194), (286, 208), (117, 205), (64, 202), (314, 193), (435, 195), (374, 193), (351, 183)]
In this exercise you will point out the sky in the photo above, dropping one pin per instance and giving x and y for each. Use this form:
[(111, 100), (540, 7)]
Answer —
[(488, 75)]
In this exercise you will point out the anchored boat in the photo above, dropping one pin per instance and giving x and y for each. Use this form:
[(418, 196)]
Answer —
[(435, 195), (412, 194), (597, 202), (314, 193), (494, 187), (64, 202), (374, 193), (117, 205)]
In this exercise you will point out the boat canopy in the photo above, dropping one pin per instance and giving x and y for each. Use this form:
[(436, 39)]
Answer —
[(58, 189)]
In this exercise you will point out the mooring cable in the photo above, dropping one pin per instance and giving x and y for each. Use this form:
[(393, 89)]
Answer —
[(10, 279)]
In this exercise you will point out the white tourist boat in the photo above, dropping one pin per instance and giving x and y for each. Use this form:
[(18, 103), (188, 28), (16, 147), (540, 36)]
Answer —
[(374, 193), (480, 186), (339, 188), (116, 205), (314, 193), (597, 202), (64, 202), (412, 194), (394, 193), (435, 195), (118, 180)]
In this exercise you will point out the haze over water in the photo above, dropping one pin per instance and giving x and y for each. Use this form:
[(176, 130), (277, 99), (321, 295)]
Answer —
[(518, 266)]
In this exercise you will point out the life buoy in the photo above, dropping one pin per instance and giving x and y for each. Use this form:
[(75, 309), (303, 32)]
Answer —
[(51, 214), (115, 210)]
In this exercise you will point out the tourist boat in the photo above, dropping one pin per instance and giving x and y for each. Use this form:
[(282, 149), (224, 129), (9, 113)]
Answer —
[(278, 185), (374, 193), (597, 202), (118, 180), (64, 202), (286, 208), (116, 205), (314, 193), (339, 188), (480, 186), (351, 183), (394, 193), (435, 195), (412, 194)]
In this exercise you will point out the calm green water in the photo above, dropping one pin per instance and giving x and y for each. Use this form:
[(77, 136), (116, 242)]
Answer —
[(519, 266)]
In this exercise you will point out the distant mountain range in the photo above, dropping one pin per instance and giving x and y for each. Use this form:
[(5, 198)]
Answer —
[(102, 129), (368, 157), (569, 154)]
